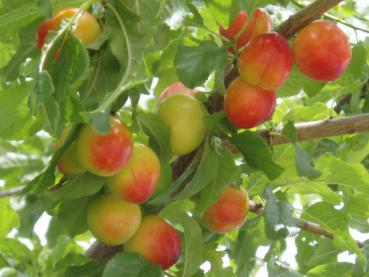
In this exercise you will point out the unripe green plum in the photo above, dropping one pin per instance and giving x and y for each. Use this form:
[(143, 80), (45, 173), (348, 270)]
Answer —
[(184, 115), (104, 154), (157, 241), (138, 179), (112, 220), (322, 51), (229, 212), (266, 61), (246, 105), (68, 162)]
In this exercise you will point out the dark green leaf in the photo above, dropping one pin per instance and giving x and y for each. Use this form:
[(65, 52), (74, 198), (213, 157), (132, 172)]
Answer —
[(203, 60), (304, 163), (257, 154), (130, 265), (85, 184), (158, 133), (205, 174), (72, 215)]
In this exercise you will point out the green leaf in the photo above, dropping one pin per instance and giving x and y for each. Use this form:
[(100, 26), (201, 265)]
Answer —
[(304, 163), (205, 174), (29, 213), (297, 82), (347, 175), (72, 215), (9, 218), (43, 98), (203, 60), (159, 134), (45, 7), (289, 131), (256, 153), (15, 250), (228, 173), (15, 120), (313, 251), (67, 72), (26, 49), (131, 265), (336, 222), (358, 60), (277, 215), (85, 184), (317, 111), (90, 269), (332, 270), (192, 250)]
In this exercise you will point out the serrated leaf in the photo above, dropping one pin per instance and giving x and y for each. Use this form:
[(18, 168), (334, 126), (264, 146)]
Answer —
[(277, 215), (257, 154), (304, 163), (43, 98), (203, 60)]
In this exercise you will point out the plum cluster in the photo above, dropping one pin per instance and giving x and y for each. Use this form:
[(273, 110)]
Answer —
[(132, 172), (321, 51)]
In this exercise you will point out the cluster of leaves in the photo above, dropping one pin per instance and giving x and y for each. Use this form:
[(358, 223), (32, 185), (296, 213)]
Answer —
[(145, 46)]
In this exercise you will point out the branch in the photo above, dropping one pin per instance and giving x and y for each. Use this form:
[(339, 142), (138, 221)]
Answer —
[(11, 192), (305, 16), (322, 129), (102, 252), (302, 224)]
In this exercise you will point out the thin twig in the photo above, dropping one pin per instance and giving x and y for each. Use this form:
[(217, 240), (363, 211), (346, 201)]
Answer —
[(302, 224), (11, 192)]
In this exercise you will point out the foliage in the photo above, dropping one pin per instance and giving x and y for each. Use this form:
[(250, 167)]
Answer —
[(145, 46)]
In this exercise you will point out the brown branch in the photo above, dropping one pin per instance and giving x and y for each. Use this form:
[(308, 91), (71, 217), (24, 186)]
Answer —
[(322, 129), (302, 224), (102, 252), (305, 16), (11, 192)]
